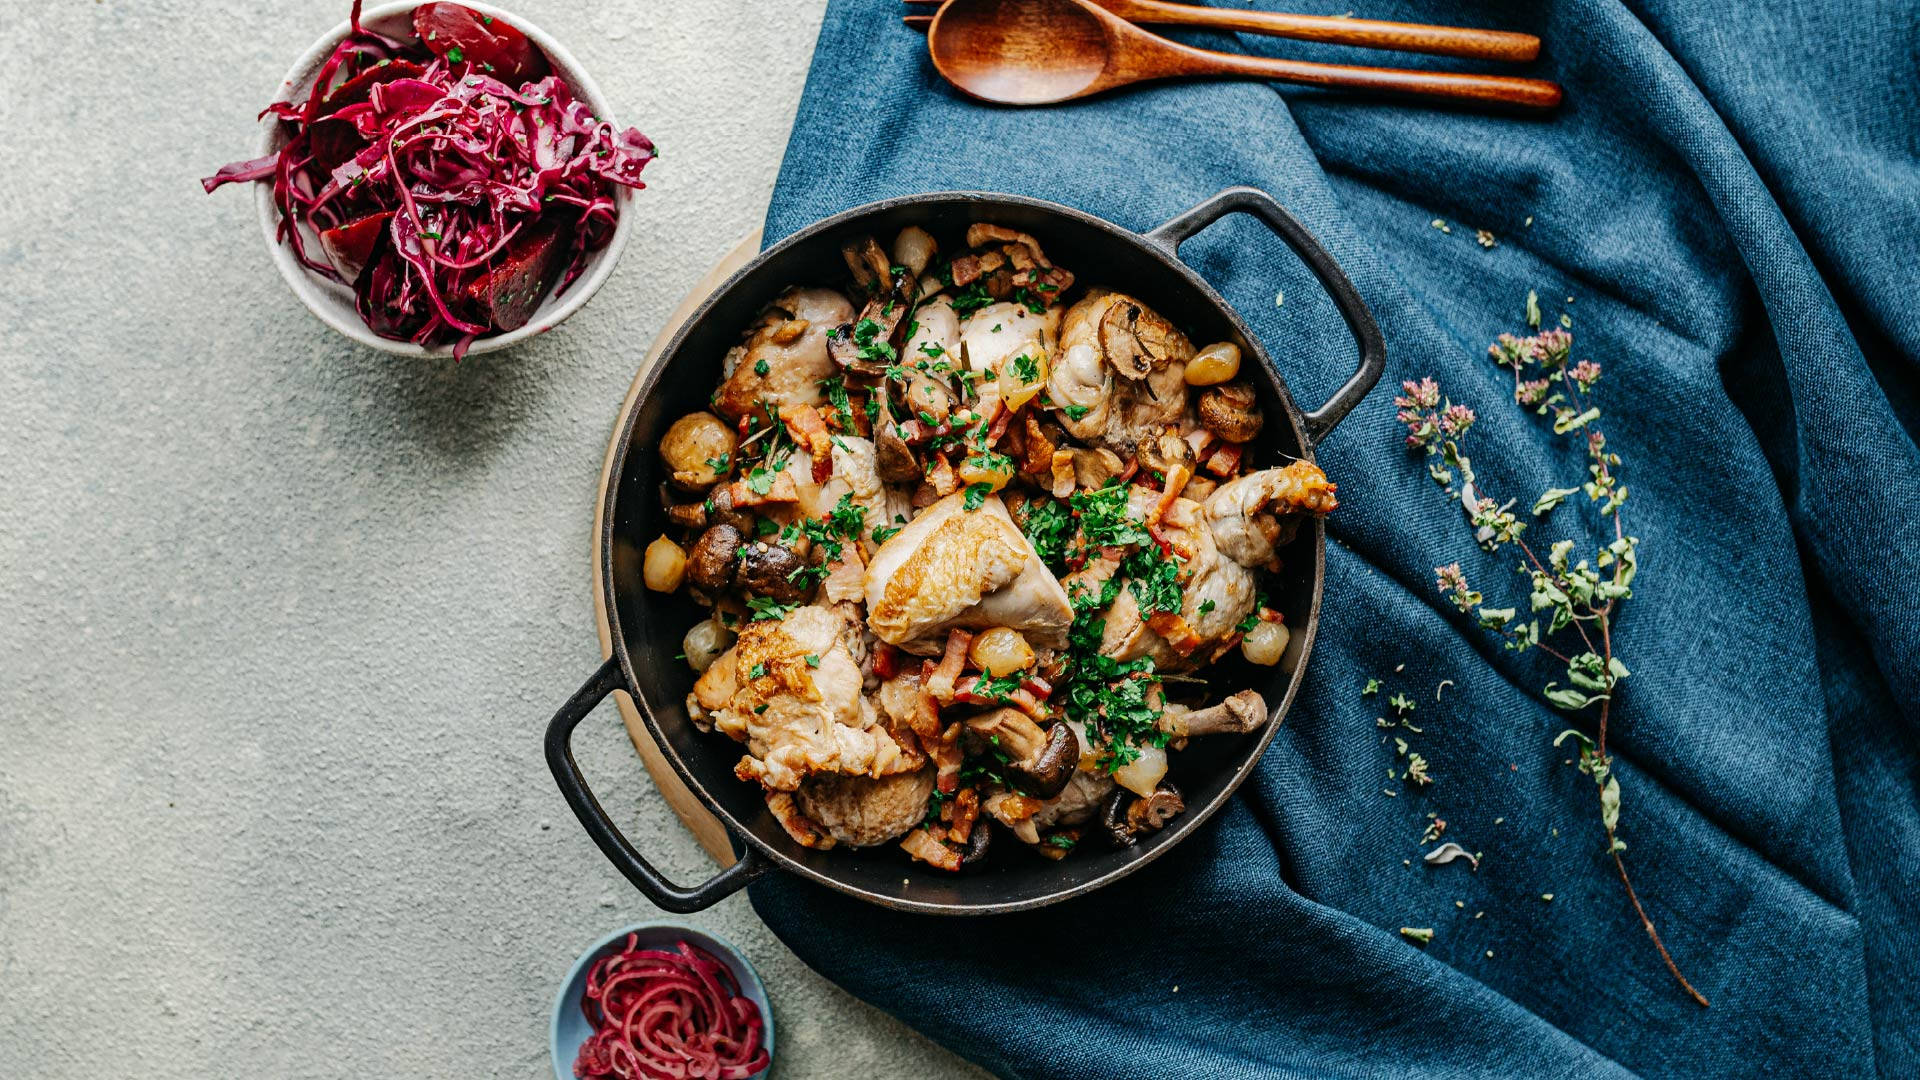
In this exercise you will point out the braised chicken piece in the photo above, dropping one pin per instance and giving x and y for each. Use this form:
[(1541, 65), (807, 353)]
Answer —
[(1008, 349), (1125, 366), (967, 529), (1252, 514), (968, 568), (790, 691), (784, 357)]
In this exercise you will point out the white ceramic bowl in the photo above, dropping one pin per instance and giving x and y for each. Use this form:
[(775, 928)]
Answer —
[(332, 301)]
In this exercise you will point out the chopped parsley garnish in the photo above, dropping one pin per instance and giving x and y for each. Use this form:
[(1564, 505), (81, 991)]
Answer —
[(1154, 581), (866, 334), (719, 464), (836, 390), (760, 366), (1207, 605), (813, 659), (883, 533), (1103, 515), (766, 607), (757, 671), (1050, 529), (976, 496), (760, 481), (1027, 368), (1076, 412), (971, 299)]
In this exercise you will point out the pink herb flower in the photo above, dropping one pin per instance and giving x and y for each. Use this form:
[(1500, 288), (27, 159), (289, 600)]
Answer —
[(1550, 347), (1453, 584), (1532, 392), (1456, 419), (1586, 373), (1424, 394)]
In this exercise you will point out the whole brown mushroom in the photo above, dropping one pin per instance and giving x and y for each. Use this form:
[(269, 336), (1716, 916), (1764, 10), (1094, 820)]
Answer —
[(769, 569), (1040, 761), (1231, 411), (711, 563)]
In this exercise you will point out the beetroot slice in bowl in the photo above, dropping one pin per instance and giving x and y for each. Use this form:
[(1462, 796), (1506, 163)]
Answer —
[(462, 35), (357, 89), (350, 247), (510, 290)]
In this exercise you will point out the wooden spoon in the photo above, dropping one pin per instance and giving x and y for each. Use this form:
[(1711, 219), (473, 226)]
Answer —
[(1039, 52)]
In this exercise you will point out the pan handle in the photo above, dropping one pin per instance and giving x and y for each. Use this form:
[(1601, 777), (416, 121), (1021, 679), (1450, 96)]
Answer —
[(1366, 333), (566, 772)]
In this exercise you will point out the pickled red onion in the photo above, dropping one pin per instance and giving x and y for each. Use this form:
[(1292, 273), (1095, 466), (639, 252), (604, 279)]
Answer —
[(660, 1015)]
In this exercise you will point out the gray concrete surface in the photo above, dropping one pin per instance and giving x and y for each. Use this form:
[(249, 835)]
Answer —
[(281, 619)]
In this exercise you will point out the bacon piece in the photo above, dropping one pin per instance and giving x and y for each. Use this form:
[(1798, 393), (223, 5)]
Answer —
[(809, 429), (886, 661), (1225, 461), (948, 756), (1174, 627), (781, 490), (1001, 418), (966, 270), (940, 680), (804, 830), (960, 813), (921, 845), (941, 475)]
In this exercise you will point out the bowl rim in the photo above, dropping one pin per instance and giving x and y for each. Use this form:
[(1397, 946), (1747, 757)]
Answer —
[(315, 291), (751, 986), (748, 841)]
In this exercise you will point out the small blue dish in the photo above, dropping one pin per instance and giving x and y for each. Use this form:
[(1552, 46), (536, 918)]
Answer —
[(569, 1028)]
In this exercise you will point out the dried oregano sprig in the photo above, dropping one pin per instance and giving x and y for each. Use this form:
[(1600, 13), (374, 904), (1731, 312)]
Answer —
[(1572, 595)]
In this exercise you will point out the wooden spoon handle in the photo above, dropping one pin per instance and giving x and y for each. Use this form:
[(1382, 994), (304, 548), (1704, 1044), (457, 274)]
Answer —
[(1447, 85), (1367, 33)]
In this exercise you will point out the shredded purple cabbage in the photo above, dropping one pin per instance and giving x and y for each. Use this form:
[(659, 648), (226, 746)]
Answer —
[(488, 185)]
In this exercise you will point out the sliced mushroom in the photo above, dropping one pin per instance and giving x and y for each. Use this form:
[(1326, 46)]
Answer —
[(1151, 814), (722, 511), (871, 268), (1092, 469), (1136, 339), (1040, 761), (1238, 714), (891, 291), (688, 515), (1231, 411), (711, 563), (893, 457), (1126, 817), (979, 842), (768, 570), (1162, 448)]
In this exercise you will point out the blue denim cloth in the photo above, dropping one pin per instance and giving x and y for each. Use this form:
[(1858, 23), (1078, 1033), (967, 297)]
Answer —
[(1731, 196)]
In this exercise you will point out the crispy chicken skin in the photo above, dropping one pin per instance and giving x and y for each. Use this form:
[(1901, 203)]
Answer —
[(814, 717), (972, 569)]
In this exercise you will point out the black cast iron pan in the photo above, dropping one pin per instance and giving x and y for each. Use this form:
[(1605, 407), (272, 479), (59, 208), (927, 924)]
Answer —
[(647, 626)]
